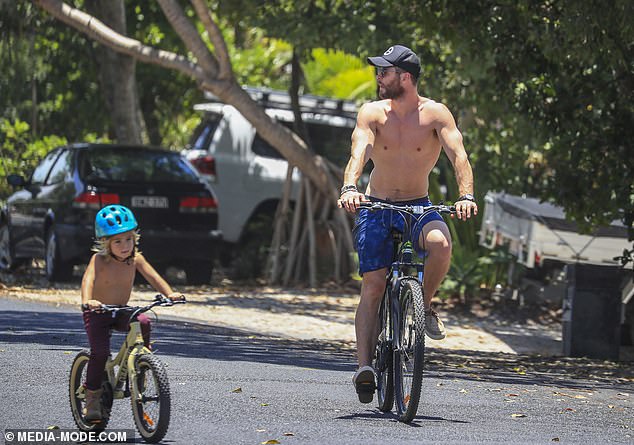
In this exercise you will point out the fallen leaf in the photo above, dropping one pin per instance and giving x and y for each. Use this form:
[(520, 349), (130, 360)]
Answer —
[(52, 427), (512, 395), (67, 352), (624, 394), (264, 404), (610, 406), (237, 390), (288, 434), (270, 442), (464, 391), (580, 397), (260, 430), (567, 409), (555, 439), (518, 415)]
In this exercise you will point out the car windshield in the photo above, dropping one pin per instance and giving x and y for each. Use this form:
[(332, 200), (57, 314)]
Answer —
[(134, 165)]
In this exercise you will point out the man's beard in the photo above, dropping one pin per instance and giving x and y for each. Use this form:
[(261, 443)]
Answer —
[(393, 91)]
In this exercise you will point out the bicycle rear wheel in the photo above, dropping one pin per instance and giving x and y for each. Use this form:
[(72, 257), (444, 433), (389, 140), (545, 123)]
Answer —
[(383, 359), (150, 399), (409, 359), (77, 395)]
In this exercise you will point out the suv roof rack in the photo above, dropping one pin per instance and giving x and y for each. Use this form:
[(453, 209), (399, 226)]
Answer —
[(269, 98)]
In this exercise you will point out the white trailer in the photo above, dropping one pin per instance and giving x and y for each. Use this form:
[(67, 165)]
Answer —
[(539, 234)]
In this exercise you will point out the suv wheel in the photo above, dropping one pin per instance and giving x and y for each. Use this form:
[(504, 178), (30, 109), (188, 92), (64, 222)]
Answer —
[(199, 272), (56, 269)]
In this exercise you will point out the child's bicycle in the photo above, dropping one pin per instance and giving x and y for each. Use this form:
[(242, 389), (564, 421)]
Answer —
[(140, 376), (400, 349)]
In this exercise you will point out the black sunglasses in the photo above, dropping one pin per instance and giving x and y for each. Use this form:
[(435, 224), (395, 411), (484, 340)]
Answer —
[(382, 71)]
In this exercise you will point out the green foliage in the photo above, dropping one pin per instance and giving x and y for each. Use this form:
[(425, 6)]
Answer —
[(338, 74), (553, 85), (20, 154), (48, 76), (465, 273)]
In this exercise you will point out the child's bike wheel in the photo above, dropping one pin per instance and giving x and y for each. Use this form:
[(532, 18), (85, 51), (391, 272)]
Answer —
[(409, 360), (77, 394), (151, 404), (383, 360)]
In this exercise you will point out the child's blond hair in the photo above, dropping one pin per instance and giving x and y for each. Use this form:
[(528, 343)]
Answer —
[(102, 245)]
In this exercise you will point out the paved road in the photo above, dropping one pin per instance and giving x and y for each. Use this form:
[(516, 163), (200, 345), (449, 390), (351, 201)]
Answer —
[(304, 389)]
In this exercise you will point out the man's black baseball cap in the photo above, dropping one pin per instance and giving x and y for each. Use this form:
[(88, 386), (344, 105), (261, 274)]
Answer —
[(400, 56)]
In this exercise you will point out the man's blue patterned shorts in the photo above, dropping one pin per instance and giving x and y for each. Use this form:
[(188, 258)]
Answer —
[(372, 238)]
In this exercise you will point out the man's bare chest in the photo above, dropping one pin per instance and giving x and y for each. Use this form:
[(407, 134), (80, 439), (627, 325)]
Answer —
[(411, 136)]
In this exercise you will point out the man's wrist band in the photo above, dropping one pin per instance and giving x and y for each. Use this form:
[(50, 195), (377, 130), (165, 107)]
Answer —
[(466, 197), (348, 188)]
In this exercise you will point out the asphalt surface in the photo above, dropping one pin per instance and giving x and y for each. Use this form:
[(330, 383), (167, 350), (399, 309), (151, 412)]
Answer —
[(300, 392)]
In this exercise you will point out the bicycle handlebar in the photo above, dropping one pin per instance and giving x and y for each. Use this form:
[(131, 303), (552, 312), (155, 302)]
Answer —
[(159, 300), (411, 209)]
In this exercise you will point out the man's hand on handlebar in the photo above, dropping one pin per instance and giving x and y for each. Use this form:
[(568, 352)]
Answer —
[(464, 209), (350, 201)]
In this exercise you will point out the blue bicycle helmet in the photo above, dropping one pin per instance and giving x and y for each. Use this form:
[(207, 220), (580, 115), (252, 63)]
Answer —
[(114, 219)]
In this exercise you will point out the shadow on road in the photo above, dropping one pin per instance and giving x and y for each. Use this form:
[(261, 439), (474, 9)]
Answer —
[(181, 339), (63, 329), (379, 415)]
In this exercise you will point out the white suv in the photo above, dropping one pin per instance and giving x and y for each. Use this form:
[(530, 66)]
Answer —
[(246, 172)]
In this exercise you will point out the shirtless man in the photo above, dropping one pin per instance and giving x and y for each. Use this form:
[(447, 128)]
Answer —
[(108, 279), (403, 134)]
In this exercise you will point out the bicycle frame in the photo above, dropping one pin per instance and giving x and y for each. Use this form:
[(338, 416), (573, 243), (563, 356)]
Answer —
[(131, 348)]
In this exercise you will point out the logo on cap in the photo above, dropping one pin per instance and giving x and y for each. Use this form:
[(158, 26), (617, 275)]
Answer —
[(388, 51)]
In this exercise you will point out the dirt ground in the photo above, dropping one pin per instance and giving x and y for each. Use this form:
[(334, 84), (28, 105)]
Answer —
[(324, 314)]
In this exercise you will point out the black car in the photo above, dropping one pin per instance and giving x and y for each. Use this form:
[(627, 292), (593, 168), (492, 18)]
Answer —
[(52, 215)]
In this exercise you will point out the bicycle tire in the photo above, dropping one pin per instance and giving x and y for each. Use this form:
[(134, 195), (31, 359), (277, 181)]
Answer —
[(150, 408), (383, 359), (77, 379), (409, 359)]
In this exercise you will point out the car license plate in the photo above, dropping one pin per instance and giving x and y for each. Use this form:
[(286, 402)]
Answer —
[(155, 202)]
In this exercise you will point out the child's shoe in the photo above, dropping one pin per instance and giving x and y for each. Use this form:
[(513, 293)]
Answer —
[(92, 411)]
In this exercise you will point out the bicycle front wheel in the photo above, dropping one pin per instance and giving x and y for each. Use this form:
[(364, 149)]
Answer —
[(409, 358), (383, 359), (150, 398)]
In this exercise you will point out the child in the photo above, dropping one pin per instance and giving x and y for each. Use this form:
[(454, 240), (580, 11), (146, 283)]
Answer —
[(108, 280)]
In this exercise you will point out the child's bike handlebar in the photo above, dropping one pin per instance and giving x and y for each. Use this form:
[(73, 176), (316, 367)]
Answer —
[(159, 300)]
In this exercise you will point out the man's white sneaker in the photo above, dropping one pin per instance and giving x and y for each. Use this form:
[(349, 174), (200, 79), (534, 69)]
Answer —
[(434, 327), (364, 381)]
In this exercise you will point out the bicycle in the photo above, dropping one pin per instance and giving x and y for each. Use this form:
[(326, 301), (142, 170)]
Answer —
[(400, 349), (140, 376)]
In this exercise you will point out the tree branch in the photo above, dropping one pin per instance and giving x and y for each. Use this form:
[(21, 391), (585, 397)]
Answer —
[(101, 33), (215, 36), (189, 35)]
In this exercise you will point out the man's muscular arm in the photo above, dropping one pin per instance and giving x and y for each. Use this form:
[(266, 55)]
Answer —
[(451, 140), (362, 143)]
